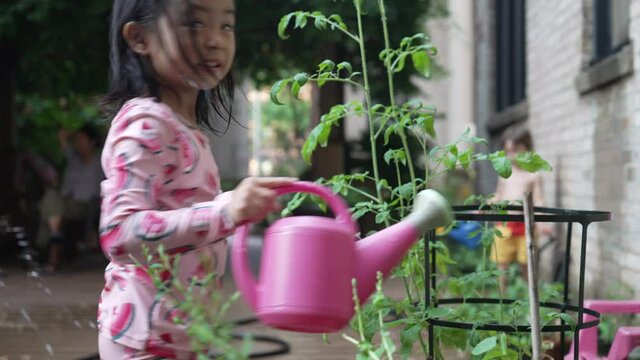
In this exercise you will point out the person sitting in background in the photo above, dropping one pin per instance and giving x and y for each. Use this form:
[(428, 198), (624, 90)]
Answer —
[(80, 193)]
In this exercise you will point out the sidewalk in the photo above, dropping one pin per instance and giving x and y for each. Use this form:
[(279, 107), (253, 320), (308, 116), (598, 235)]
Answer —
[(53, 317)]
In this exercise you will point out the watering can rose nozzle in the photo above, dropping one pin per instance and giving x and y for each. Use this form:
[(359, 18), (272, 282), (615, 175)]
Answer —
[(430, 210)]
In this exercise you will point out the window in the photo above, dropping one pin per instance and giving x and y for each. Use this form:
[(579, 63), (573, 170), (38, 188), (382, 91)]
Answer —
[(510, 53), (611, 27)]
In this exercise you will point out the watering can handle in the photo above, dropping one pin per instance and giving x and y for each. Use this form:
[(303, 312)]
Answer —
[(245, 281), (336, 203)]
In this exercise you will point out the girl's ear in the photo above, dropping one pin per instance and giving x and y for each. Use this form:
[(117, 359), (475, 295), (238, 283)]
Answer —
[(136, 37)]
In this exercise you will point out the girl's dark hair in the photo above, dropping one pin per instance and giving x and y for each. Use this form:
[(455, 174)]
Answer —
[(131, 75), (519, 135)]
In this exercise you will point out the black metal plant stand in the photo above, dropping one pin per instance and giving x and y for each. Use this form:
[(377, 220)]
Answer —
[(543, 215)]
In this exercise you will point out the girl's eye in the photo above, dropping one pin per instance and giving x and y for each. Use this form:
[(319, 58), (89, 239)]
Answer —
[(228, 27), (197, 24)]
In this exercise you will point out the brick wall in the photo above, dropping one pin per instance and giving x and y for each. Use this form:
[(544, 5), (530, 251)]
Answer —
[(592, 140)]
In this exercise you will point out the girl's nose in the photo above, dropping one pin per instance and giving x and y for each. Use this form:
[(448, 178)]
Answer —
[(214, 38)]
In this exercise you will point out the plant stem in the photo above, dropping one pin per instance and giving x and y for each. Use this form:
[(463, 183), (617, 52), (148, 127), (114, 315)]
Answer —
[(403, 137), (407, 289), (399, 184), (340, 80), (500, 291), (365, 194), (426, 162), (367, 93), (392, 100), (335, 25), (384, 334)]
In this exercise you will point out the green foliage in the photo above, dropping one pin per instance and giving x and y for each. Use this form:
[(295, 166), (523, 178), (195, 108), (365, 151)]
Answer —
[(40, 118), (61, 45), (393, 128), (330, 21), (284, 130), (202, 304)]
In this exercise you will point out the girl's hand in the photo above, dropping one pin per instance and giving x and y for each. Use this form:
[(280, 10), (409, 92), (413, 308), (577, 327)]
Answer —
[(254, 198)]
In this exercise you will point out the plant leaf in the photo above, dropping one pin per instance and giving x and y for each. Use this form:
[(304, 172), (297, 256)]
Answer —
[(427, 124), (282, 26), (301, 20), (276, 89), (485, 345), (322, 79), (501, 163), (327, 65), (320, 22), (422, 62), (408, 337), (295, 89), (531, 162), (312, 143), (401, 61), (465, 159), (387, 133), (299, 81), (345, 66)]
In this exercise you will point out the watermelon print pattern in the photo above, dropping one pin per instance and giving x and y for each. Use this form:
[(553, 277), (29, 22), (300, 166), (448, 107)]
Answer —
[(188, 150), (161, 187), (152, 188), (149, 139), (153, 227), (184, 196), (123, 317), (123, 172), (108, 237)]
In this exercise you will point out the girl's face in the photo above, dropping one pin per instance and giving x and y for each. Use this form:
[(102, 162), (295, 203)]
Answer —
[(83, 144), (193, 46), (512, 149)]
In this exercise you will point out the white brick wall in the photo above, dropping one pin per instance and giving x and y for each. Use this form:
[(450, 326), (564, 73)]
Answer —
[(592, 140)]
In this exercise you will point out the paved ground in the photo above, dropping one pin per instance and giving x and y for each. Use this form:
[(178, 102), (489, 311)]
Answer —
[(53, 317)]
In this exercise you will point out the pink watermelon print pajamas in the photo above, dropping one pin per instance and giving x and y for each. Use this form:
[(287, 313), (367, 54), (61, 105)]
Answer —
[(162, 187)]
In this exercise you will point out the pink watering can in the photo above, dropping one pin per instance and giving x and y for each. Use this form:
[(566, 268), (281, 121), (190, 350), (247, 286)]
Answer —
[(308, 262)]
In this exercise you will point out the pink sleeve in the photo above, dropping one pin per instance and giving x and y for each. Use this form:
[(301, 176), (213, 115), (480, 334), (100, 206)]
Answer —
[(140, 152)]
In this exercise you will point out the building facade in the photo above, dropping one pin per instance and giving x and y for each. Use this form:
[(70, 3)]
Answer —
[(568, 71)]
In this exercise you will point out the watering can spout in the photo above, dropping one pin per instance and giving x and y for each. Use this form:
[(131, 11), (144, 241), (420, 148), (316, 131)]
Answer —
[(308, 262), (386, 248)]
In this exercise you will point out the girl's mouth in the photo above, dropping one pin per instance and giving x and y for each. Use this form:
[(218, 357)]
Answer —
[(210, 66)]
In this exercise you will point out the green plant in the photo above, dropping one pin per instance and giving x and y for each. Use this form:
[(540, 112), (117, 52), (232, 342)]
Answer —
[(40, 118), (390, 198), (284, 129), (201, 302)]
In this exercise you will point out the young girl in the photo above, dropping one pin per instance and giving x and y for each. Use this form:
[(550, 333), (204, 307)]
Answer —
[(511, 245), (170, 70)]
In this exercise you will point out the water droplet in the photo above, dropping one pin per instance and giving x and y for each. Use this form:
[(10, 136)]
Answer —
[(91, 324), (25, 315), (2, 283), (77, 324), (49, 349), (48, 291), (25, 357)]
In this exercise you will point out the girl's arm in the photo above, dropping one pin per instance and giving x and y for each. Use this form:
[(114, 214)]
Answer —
[(142, 158)]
